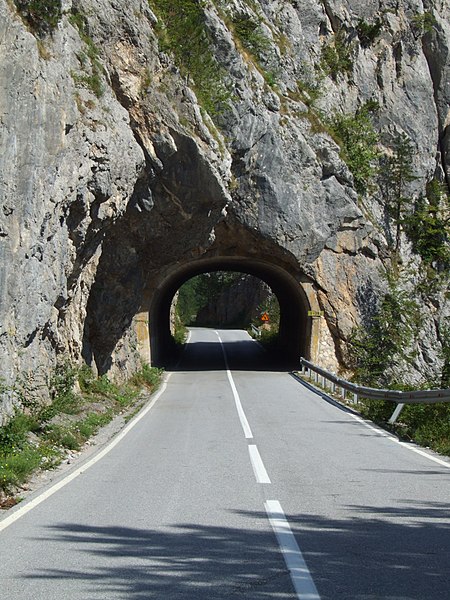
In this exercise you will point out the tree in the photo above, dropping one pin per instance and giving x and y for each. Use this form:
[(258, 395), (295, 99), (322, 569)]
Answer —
[(396, 175), (428, 227), (380, 346)]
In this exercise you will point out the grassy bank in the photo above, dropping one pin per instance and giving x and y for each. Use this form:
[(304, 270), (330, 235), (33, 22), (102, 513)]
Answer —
[(426, 424), (40, 437)]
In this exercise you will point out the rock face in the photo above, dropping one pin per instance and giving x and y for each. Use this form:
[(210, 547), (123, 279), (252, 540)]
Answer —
[(112, 173), (236, 306)]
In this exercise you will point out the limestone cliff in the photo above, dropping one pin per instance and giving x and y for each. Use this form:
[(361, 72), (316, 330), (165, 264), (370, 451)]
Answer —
[(114, 168)]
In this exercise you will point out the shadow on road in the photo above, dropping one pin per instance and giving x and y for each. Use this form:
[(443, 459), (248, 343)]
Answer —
[(367, 557), (245, 355)]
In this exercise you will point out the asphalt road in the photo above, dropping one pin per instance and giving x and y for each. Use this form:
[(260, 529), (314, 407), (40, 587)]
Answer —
[(239, 482)]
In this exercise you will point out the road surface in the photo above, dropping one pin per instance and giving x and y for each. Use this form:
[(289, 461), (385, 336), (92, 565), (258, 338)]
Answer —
[(237, 483)]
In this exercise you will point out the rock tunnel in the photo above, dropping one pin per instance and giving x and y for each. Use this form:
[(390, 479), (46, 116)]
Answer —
[(130, 290), (296, 326)]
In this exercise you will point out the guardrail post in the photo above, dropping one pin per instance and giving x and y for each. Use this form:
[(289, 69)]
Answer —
[(395, 414), (344, 393)]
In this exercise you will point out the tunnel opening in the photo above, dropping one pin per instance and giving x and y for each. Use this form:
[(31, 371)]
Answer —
[(226, 300), (294, 334)]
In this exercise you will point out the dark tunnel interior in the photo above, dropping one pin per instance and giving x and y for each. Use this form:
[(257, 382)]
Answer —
[(294, 333)]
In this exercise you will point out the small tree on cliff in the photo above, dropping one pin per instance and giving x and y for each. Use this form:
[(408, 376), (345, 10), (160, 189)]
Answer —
[(428, 226), (380, 347), (397, 173)]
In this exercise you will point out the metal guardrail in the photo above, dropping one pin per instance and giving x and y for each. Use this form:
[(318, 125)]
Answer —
[(359, 391), (255, 330)]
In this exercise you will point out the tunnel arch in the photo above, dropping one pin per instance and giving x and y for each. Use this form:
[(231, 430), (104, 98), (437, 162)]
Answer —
[(295, 325)]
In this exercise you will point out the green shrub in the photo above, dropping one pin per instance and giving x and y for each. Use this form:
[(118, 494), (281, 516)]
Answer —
[(396, 174), (72, 436), (337, 56), (358, 140), (424, 22), (64, 399), (126, 396), (180, 333), (428, 226), (428, 425), (19, 458), (368, 32), (444, 334), (249, 32), (50, 455), (123, 395), (102, 386), (15, 468), (92, 423), (384, 340), (3, 387), (42, 16), (63, 437), (86, 378), (310, 91), (378, 411), (92, 82), (269, 339), (14, 435), (148, 376)]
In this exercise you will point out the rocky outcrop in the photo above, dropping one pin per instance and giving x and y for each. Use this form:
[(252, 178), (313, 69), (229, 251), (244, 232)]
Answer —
[(112, 173)]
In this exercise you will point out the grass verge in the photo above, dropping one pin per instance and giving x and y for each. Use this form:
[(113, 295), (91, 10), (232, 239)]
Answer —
[(41, 437)]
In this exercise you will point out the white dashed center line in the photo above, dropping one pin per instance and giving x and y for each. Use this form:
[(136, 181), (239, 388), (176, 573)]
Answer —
[(258, 466)]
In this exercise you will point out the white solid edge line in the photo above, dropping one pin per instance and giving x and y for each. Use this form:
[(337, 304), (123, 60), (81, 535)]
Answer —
[(405, 445), (25, 508), (301, 577), (258, 466), (243, 419)]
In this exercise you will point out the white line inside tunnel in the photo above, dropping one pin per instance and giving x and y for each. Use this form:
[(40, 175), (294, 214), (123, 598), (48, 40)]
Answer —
[(243, 419), (301, 577)]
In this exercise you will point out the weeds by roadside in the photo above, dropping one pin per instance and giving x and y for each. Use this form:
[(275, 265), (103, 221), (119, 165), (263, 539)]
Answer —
[(41, 436)]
